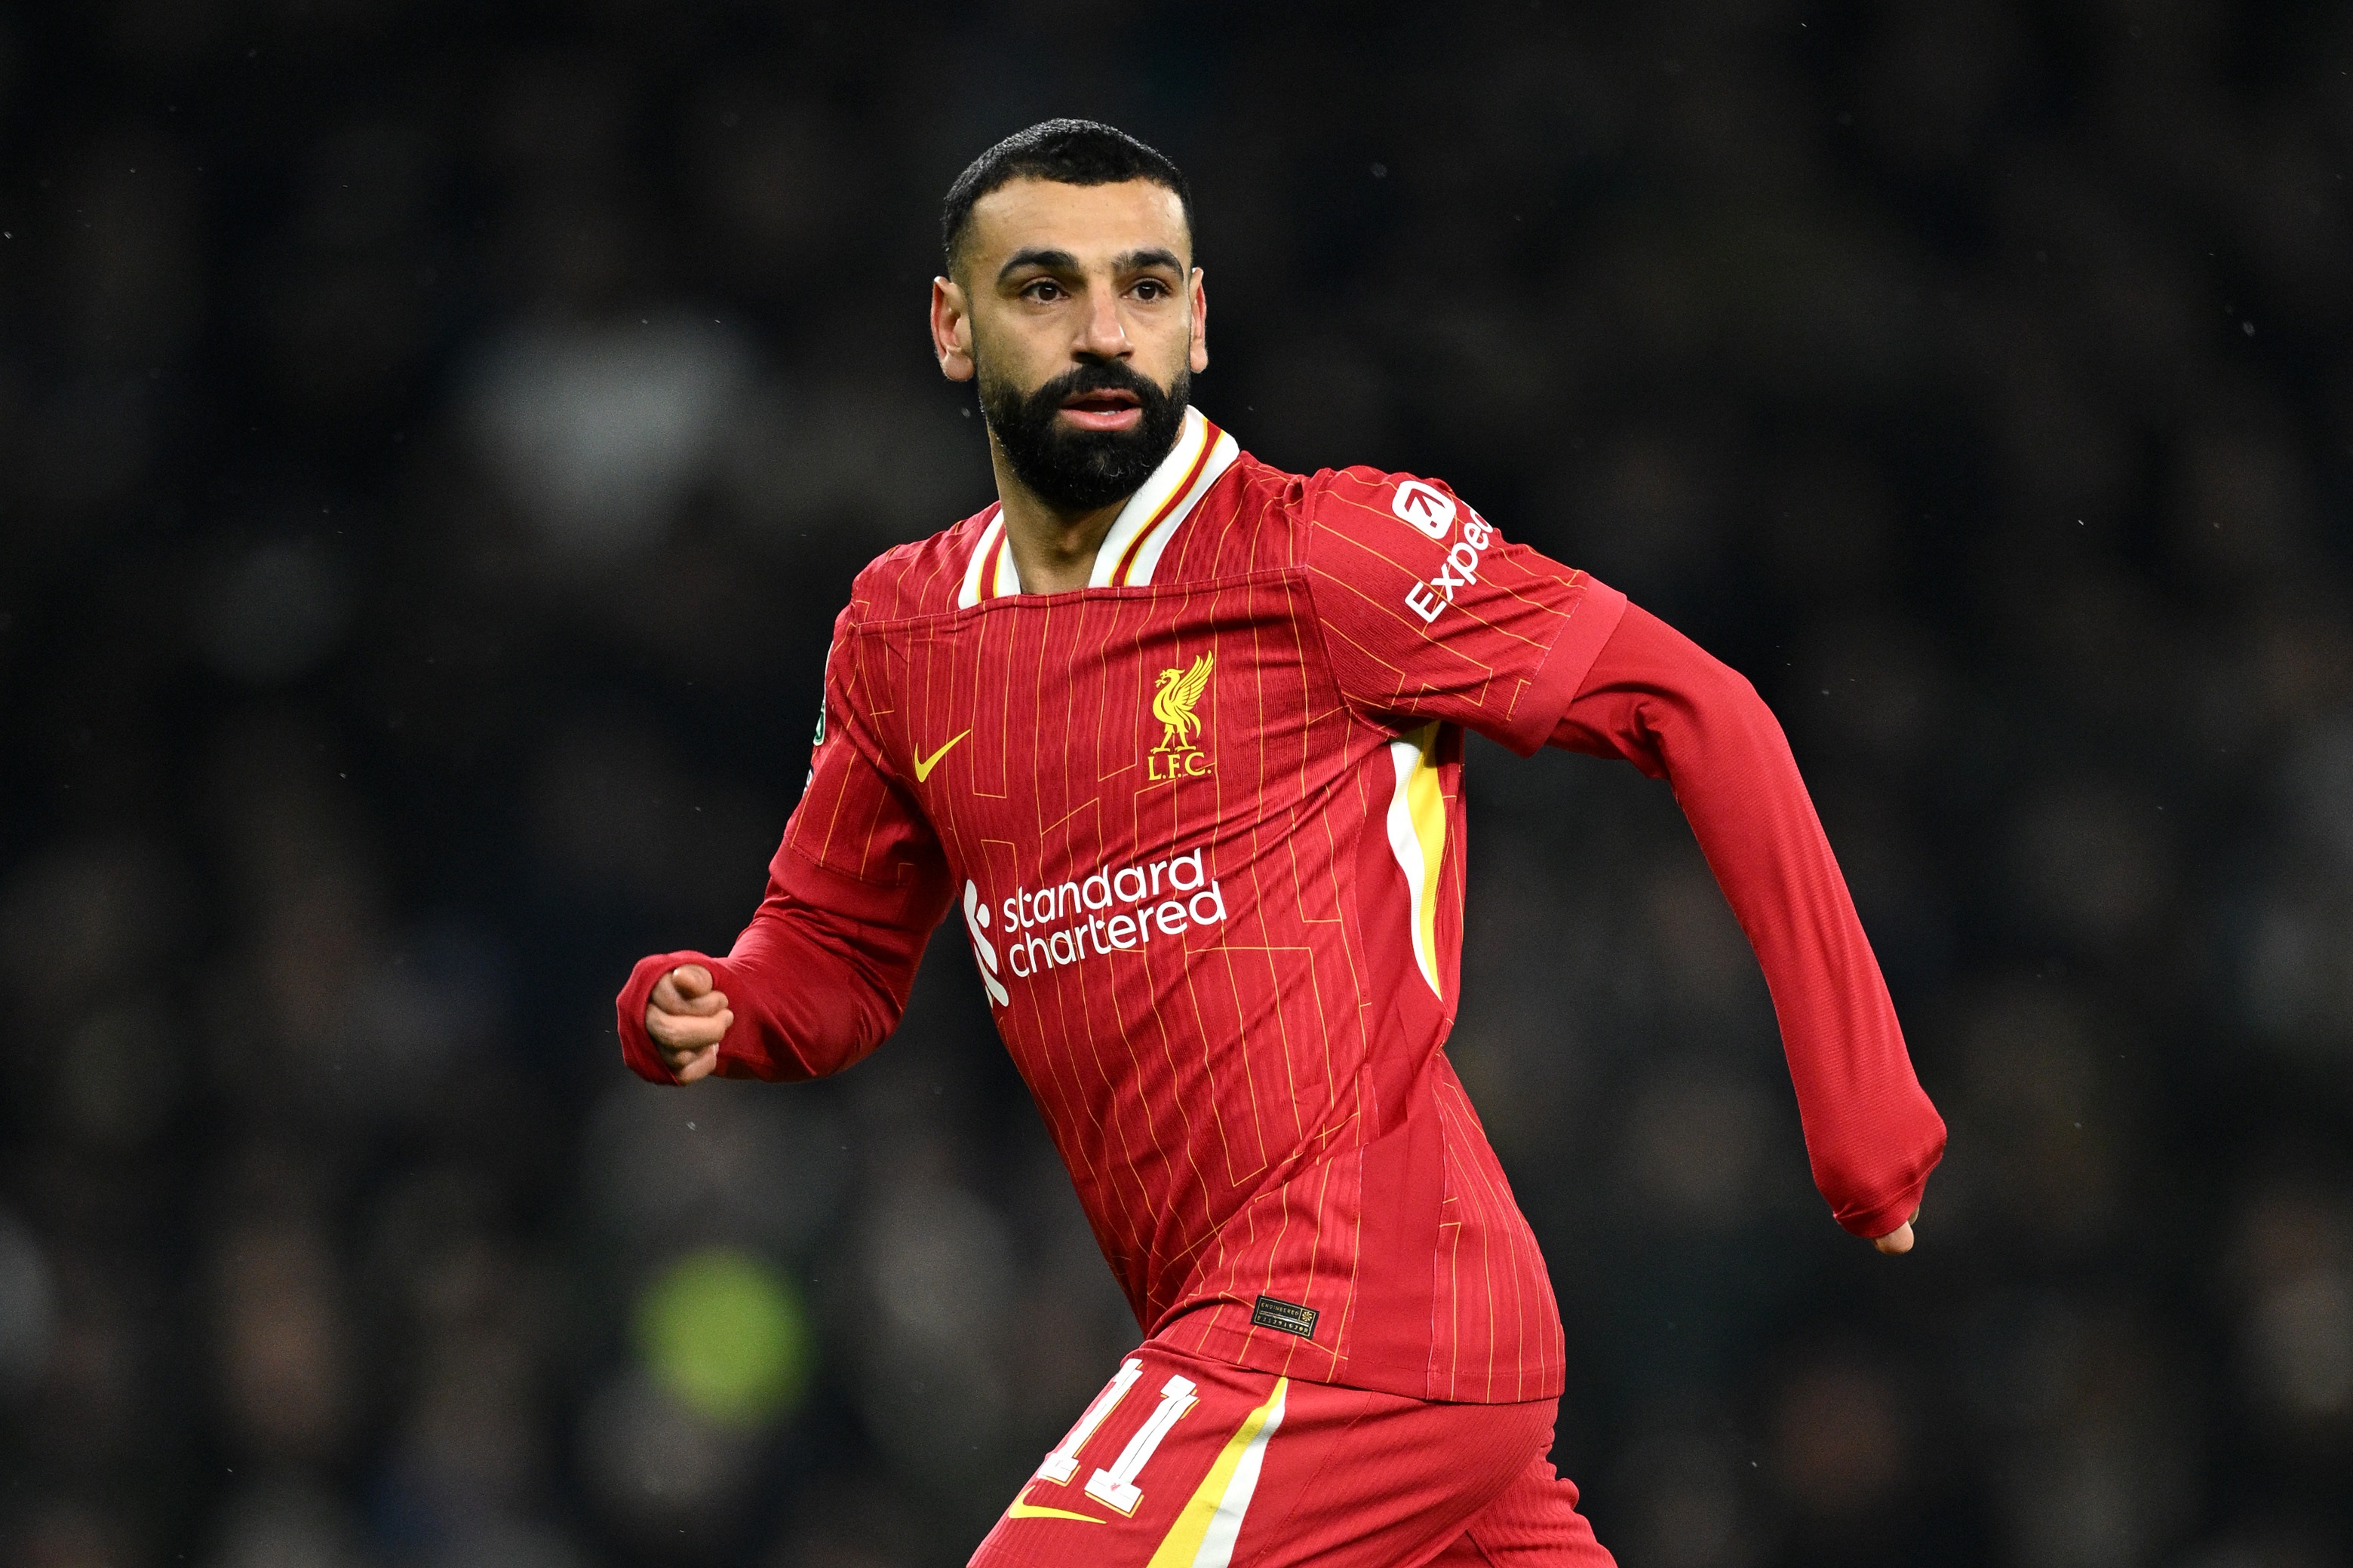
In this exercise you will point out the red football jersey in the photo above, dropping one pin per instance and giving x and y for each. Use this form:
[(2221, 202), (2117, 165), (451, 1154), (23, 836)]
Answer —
[(1201, 826)]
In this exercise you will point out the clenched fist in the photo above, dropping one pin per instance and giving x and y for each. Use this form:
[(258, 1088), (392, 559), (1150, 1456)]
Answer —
[(687, 1020)]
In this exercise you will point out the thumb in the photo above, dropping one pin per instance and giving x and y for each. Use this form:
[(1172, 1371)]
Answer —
[(692, 981)]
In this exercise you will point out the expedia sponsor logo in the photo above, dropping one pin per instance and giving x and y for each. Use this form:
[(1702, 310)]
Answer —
[(1426, 507), (1106, 911), (1460, 567), (1176, 697)]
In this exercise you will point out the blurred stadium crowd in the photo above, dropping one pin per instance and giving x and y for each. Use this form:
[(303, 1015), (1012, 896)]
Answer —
[(435, 441)]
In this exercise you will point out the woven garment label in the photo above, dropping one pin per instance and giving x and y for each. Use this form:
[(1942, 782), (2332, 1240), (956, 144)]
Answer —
[(1291, 1317)]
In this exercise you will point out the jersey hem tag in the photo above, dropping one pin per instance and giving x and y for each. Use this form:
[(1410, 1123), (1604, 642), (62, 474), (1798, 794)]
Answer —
[(1287, 1316)]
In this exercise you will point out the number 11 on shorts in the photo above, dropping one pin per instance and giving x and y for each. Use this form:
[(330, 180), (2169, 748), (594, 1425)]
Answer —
[(1063, 1462), (1115, 1487)]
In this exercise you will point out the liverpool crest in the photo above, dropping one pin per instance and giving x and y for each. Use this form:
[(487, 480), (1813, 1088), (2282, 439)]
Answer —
[(1176, 697)]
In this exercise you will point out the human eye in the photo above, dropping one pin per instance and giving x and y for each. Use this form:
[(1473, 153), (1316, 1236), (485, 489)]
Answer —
[(1152, 290), (1041, 291)]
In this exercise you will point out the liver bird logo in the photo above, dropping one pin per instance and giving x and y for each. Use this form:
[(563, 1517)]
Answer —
[(1173, 697)]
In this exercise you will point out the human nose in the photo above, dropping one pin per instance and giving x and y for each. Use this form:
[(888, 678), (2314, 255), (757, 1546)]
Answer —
[(1102, 334)]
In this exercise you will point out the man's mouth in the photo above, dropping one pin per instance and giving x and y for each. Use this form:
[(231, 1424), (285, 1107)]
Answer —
[(1111, 408)]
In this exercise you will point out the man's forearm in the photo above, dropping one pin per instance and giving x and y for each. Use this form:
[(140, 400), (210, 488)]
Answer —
[(1658, 700), (812, 989)]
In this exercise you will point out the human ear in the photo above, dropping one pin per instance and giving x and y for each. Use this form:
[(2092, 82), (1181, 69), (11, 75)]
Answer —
[(1199, 358), (950, 330)]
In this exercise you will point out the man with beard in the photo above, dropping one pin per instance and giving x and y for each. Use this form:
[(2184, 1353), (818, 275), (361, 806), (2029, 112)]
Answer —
[(1180, 737)]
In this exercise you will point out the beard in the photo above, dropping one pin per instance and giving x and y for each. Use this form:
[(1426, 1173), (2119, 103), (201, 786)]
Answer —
[(1082, 470)]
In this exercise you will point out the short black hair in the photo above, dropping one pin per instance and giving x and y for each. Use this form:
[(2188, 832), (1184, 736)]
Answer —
[(1067, 151)]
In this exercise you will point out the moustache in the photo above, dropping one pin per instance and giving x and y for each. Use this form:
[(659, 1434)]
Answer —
[(1105, 376)]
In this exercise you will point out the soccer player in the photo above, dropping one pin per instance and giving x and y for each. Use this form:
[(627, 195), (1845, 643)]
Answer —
[(1176, 737)]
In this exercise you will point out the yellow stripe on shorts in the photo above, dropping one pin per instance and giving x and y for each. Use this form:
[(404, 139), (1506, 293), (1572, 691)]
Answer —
[(1204, 1533)]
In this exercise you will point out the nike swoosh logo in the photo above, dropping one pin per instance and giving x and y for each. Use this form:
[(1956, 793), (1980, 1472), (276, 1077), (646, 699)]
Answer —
[(923, 765), (1022, 1508)]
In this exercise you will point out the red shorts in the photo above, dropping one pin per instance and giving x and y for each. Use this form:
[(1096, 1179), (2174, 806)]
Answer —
[(1181, 1462)]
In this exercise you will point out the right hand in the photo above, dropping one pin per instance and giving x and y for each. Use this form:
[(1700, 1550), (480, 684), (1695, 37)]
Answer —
[(687, 1020)]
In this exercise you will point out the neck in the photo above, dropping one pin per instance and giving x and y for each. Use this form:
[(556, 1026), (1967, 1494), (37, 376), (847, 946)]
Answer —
[(1053, 550)]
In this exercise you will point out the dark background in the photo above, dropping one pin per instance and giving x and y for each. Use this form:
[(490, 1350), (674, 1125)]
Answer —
[(435, 440)]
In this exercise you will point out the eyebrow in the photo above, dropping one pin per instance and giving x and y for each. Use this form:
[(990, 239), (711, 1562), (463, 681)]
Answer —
[(1063, 261), (1051, 260)]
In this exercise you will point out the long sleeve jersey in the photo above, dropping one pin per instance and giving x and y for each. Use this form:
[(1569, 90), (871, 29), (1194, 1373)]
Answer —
[(1201, 824)]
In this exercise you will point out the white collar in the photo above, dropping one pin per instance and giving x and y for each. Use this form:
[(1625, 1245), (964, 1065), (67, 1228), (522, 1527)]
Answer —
[(1139, 535)]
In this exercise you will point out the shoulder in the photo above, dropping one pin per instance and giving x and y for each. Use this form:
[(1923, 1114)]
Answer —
[(1362, 500), (1269, 516), (1359, 525), (1248, 521), (918, 578)]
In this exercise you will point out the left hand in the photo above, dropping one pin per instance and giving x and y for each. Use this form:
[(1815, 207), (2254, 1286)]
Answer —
[(1898, 1240)]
